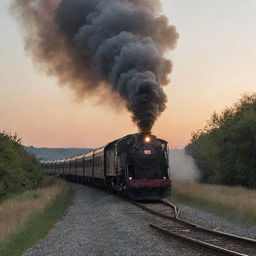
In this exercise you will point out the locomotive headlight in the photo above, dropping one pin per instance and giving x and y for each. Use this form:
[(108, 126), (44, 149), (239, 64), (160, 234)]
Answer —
[(147, 139), (130, 178), (164, 178)]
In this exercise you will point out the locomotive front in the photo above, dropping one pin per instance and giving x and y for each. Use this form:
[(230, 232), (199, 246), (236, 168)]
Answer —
[(147, 175)]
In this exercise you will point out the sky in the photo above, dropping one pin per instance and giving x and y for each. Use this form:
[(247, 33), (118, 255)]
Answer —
[(214, 65)]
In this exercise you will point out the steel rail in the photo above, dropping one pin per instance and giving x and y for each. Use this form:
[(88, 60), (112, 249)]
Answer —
[(153, 212), (176, 218), (196, 226), (198, 242)]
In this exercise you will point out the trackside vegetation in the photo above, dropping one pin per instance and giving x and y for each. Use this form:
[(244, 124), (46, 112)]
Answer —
[(28, 217), (19, 170), (30, 202), (236, 203), (225, 149)]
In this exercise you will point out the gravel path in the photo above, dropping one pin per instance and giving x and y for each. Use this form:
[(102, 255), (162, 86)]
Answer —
[(101, 224)]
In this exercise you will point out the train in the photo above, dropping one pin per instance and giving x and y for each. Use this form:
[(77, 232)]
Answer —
[(135, 166)]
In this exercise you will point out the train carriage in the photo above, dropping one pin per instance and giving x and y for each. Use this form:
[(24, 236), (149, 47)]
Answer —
[(80, 166), (88, 165), (98, 164)]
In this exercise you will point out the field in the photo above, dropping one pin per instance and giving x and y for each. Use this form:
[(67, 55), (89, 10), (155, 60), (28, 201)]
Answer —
[(237, 203), (26, 218)]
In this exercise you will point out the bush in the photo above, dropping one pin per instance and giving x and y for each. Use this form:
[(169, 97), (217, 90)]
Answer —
[(225, 149), (19, 170)]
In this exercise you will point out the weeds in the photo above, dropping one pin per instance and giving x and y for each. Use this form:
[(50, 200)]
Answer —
[(37, 224), (237, 203), (15, 211)]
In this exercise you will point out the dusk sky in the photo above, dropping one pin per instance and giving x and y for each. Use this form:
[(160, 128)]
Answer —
[(214, 65)]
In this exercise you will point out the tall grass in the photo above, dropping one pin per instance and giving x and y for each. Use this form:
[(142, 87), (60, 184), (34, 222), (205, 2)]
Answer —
[(37, 225), (26, 218), (235, 202)]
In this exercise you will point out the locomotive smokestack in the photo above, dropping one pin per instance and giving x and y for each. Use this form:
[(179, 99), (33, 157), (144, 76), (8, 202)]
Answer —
[(95, 44)]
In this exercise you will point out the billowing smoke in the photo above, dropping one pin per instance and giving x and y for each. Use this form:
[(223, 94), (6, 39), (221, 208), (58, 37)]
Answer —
[(182, 166), (112, 45)]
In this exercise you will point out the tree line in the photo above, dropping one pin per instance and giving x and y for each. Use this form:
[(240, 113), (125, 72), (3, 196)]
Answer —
[(225, 149), (19, 170)]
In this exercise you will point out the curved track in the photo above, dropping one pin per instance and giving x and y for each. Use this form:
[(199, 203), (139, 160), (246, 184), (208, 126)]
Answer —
[(172, 224)]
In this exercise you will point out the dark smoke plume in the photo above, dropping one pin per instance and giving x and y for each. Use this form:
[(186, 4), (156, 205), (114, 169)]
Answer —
[(95, 44)]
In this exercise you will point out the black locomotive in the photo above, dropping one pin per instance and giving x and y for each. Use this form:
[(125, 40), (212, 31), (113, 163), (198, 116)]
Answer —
[(135, 166)]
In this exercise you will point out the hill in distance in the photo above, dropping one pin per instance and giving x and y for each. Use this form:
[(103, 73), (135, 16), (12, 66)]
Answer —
[(46, 154)]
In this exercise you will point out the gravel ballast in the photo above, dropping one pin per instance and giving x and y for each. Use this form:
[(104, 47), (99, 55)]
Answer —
[(99, 223), (215, 222)]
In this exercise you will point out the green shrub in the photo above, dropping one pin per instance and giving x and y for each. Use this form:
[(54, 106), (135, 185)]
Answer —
[(225, 149), (19, 170)]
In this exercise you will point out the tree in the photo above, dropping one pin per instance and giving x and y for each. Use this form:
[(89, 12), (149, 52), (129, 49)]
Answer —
[(225, 149)]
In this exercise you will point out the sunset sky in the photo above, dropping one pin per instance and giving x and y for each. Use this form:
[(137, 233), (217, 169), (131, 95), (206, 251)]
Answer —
[(214, 65)]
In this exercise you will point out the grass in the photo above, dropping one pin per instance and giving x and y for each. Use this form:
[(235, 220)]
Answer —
[(236, 203), (28, 217)]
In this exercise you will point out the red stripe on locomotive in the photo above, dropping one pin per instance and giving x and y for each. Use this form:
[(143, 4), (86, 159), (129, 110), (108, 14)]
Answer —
[(153, 183)]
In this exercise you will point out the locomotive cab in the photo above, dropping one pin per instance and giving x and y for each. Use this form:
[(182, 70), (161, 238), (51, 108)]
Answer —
[(149, 161), (147, 172)]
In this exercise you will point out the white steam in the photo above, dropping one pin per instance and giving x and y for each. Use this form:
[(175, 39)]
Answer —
[(182, 166)]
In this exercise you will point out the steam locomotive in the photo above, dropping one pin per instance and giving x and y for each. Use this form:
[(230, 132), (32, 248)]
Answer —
[(135, 166)]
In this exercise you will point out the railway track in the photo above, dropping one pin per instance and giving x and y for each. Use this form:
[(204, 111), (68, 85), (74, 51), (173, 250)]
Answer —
[(171, 224)]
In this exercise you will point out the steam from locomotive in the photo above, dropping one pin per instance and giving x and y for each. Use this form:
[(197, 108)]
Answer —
[(114, 45)]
